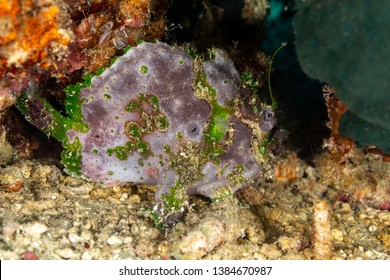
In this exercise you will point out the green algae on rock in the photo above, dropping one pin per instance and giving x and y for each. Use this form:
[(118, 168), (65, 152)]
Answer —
[(160, 116)]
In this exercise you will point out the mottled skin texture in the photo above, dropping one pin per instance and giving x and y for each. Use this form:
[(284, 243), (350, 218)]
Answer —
[(166, 79), (161, 115)]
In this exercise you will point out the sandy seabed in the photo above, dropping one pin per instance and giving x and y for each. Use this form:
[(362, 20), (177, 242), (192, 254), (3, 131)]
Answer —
[(324, 211)]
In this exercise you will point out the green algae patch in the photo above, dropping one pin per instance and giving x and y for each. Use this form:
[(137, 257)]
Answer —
[(133, 130), (133, 106), (107, 96), (219, 123), (174, 200), (149, 121), (154, 100), (120, 152), (189, 50), (71, 158), (249, 81), (161, 123), (144, 69), (143, 147)]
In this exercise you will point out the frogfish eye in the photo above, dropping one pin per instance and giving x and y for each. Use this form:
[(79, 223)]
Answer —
[(269, 115), (268, 120)]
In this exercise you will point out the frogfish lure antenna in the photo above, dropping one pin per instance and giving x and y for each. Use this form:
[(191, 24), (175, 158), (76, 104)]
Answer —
[(274, 102)]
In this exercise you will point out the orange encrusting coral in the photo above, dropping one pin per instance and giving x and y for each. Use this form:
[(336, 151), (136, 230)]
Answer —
[(39, 33), (3, 69), (8, 20), (30, 35)]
